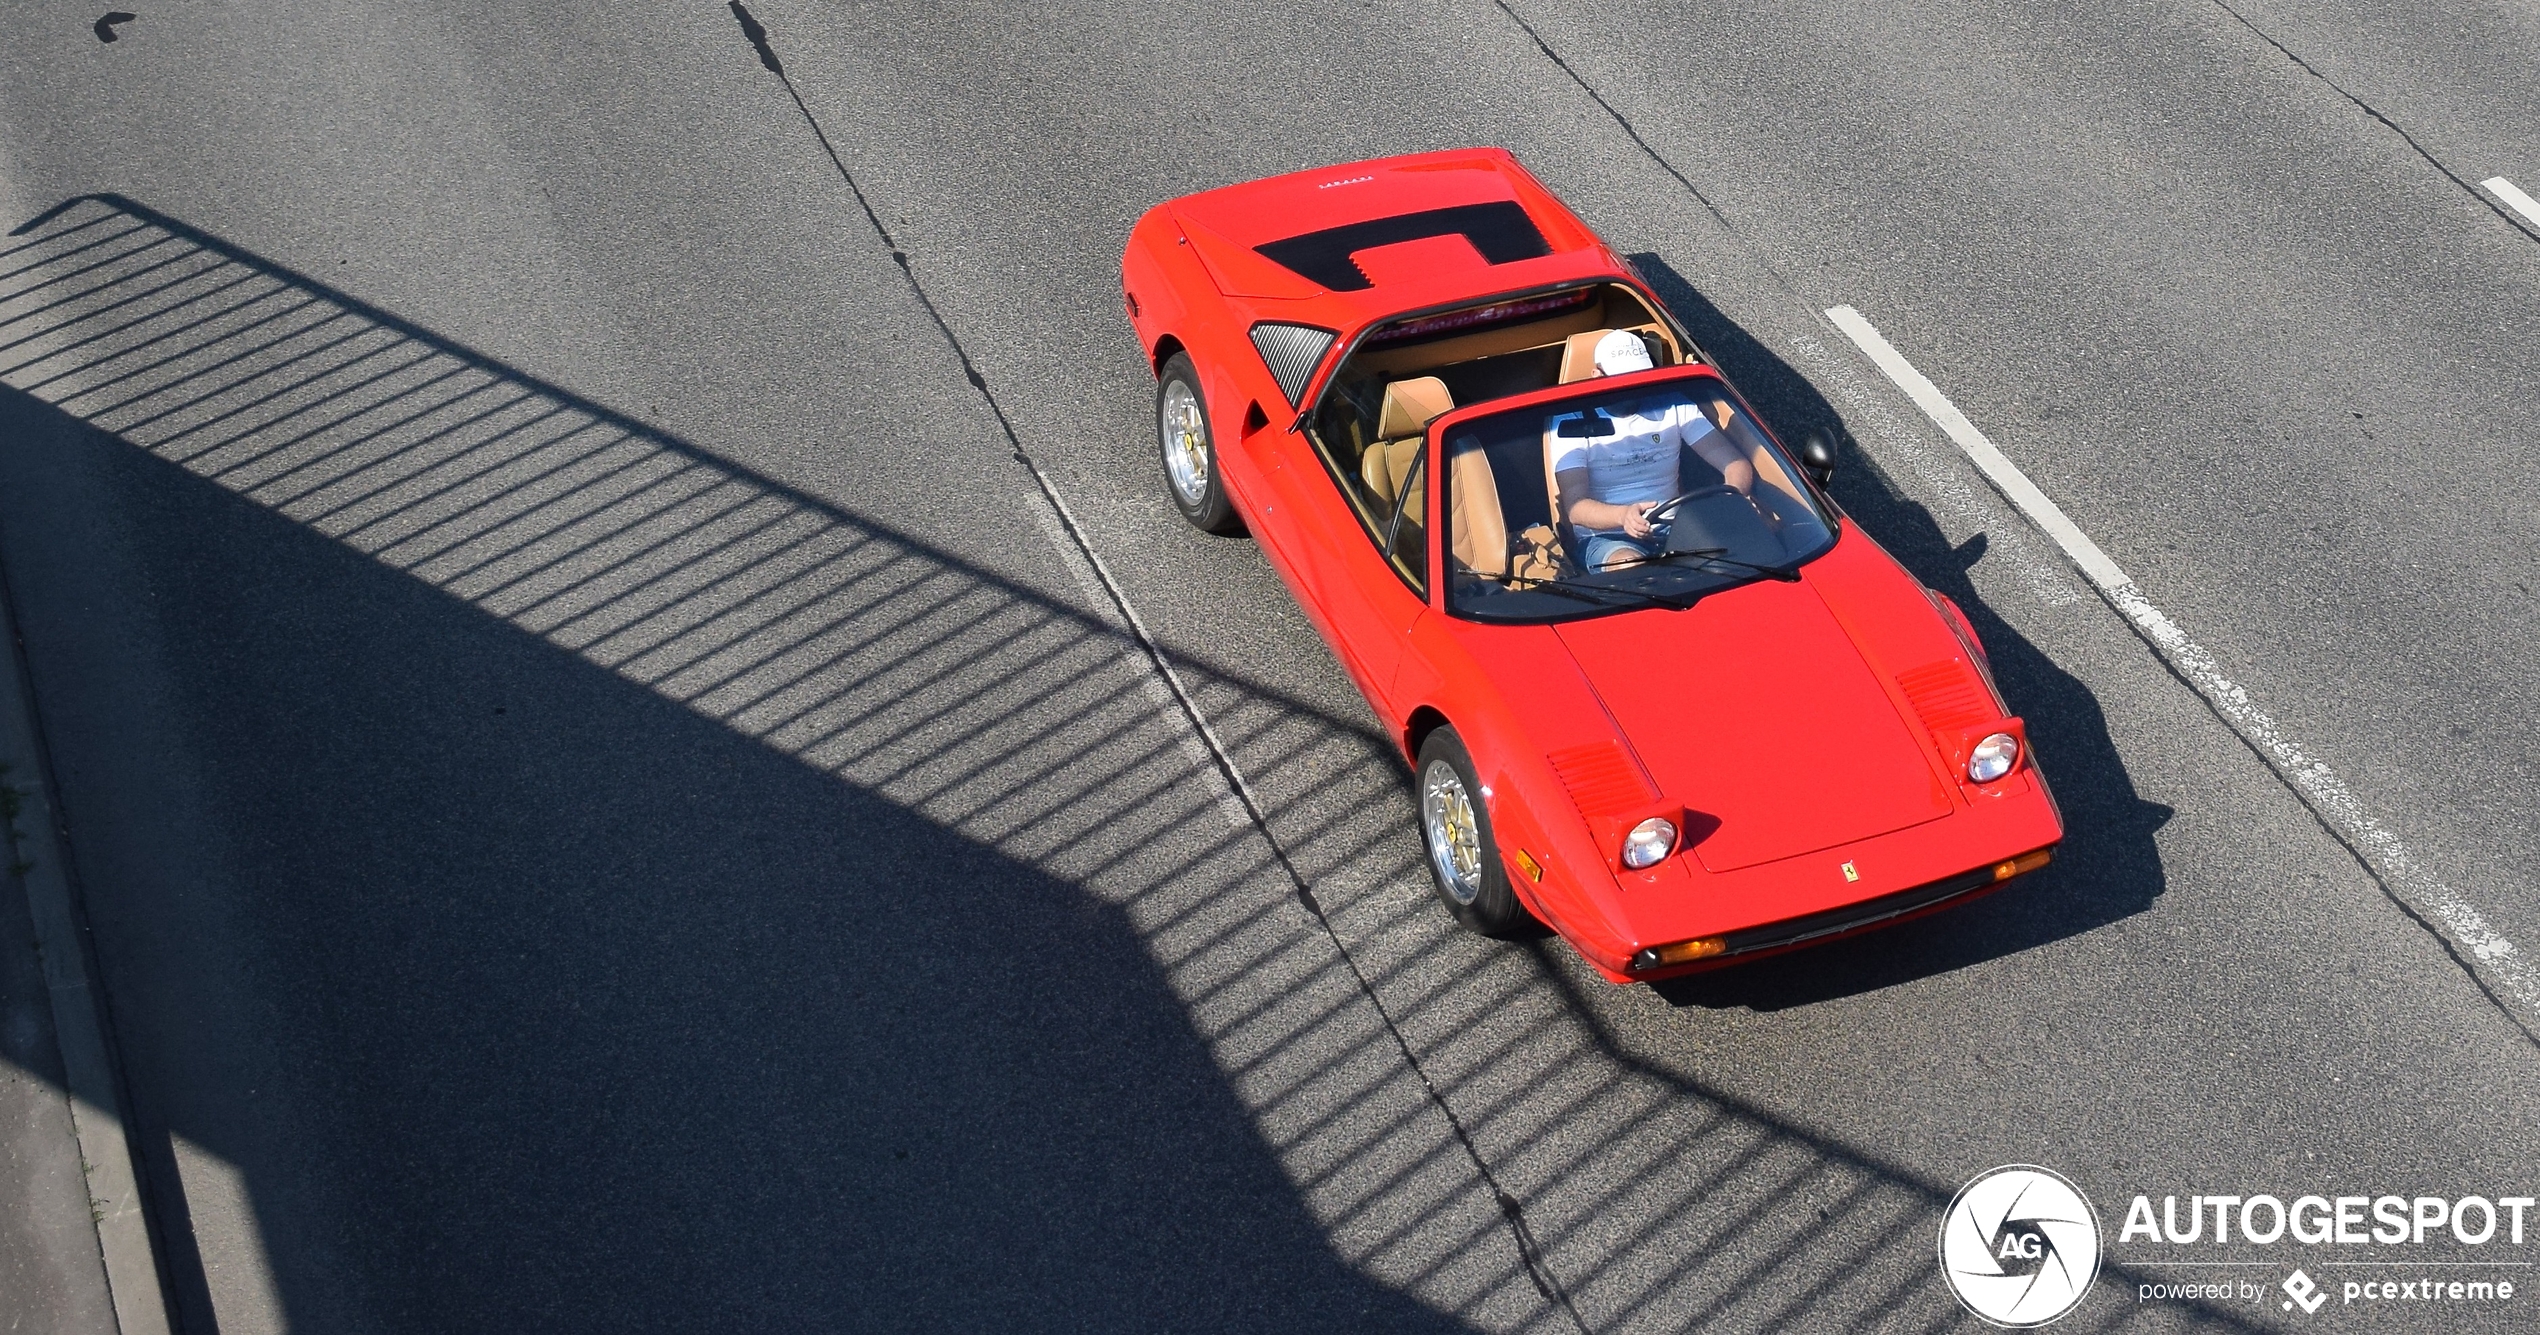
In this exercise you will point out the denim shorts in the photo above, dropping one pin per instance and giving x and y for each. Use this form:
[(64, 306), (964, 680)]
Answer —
[(1599, 545)]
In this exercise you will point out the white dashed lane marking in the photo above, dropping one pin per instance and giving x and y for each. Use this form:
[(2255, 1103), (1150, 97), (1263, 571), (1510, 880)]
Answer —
[(2514, 198), (2507, 973)]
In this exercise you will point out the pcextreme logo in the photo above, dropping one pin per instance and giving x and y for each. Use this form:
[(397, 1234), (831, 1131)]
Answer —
[(2020, 1246)]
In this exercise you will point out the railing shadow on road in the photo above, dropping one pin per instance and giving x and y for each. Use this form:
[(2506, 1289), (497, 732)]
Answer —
[(702, 901), (697, 907), (2108, 867)]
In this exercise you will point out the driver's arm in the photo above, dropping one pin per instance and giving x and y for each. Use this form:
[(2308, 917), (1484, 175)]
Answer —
[(1717, 451), (1584, 511)]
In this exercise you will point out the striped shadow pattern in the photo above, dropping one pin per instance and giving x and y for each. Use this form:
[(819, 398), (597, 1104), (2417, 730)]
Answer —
[(1036, 727)]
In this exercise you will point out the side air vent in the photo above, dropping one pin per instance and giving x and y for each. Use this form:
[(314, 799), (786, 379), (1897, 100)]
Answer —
[(1292, 352), (1601, 778), (1948, 696)]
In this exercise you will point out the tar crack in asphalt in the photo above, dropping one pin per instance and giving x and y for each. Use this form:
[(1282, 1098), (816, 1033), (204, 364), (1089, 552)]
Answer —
[(1532, 1254)]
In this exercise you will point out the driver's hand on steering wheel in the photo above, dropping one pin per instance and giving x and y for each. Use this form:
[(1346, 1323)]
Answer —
[(1636, 523)]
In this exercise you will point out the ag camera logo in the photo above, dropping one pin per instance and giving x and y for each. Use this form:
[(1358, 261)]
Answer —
[(2019, 1246)]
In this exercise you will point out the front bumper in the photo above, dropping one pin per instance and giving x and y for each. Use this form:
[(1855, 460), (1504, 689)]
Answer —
[(1811, 928)]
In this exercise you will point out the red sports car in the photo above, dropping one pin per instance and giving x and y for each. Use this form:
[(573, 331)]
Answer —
[(1656, 691)]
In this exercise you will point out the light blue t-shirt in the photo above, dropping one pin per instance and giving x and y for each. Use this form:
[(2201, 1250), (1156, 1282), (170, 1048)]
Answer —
[(1638, 462)]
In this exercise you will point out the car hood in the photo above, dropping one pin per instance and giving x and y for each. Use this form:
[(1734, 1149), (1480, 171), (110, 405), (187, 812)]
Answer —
[(1756, 710)]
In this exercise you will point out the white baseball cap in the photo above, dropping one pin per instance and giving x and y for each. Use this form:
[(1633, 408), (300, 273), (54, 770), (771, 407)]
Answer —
[(1620, 352)]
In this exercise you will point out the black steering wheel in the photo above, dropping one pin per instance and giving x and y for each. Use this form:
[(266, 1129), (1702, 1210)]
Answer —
[(1665, 510)]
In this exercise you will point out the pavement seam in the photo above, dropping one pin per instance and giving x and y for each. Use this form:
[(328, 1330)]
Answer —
[(82, 1024), (1630, 130), (1538, 1269), (2393, 126)]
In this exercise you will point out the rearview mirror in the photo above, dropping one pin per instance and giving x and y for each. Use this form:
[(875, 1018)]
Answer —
[(1816, 454), (1584, 427)]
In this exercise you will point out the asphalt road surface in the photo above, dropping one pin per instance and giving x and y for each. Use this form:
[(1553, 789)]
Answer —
[(609, 797)]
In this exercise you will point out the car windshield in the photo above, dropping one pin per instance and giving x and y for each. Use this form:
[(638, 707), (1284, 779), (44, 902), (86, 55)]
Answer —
[(1641, 495)]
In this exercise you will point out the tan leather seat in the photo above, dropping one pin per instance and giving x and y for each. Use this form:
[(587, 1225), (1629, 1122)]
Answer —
[(1383, 467), (1552, 494), (1578, 355), (1409, 407), (1474, 517), (1578, 351)]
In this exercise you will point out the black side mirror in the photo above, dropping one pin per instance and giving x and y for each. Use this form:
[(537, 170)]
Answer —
[(1816, 454)]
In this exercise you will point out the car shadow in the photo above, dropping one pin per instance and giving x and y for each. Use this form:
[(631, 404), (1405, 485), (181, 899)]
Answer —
[(2108, 867)]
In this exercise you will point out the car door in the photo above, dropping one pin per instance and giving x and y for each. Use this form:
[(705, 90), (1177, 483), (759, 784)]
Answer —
[(1253, 433), (1361, 564)]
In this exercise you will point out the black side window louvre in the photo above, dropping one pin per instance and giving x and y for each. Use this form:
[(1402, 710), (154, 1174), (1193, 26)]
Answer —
[(1291, 351)]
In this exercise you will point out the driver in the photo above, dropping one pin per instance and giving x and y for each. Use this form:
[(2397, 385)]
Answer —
[(1609, 484)]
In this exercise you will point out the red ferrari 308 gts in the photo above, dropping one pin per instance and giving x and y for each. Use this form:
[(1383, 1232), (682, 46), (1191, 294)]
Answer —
[(1656, 691)]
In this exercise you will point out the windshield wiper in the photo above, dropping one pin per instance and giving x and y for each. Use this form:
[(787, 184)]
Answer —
[(1567, 589), (1718, 556)]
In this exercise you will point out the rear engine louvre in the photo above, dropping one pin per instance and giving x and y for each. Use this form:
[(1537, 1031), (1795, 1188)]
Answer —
[(1499, 230)]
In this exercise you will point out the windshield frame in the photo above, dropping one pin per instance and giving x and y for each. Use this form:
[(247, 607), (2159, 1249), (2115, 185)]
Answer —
[(1441, 503)]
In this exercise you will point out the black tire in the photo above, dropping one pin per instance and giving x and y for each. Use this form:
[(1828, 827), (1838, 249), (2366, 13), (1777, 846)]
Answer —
[(1191, 475), (1483, 902)]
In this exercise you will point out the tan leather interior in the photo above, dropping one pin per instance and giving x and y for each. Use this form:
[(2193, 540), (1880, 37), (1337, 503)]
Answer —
[(1620, 309), (1410, 405), (1767, 472), (1536, 556), (1383, 467), (1481, 531), (1578, 351), (1552, 493), (1403, 458), (1484, 343), (1412, 397), (1578, 355)]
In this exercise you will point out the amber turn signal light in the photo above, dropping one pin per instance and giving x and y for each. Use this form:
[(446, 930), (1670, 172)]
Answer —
[(1682, 952), (2024, 863)]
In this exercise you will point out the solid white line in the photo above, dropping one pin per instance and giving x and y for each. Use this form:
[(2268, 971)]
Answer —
[(2014, 484), (2514, 198), (2319, 788)]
